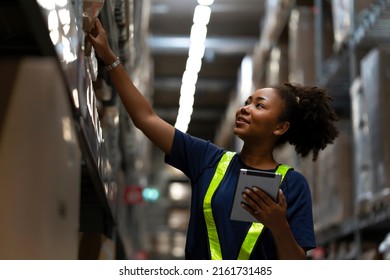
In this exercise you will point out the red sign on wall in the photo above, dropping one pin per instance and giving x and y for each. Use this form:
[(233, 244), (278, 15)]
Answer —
[(133, 195)]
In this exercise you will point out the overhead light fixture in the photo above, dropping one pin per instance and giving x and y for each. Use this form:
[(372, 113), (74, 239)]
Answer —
[(205, 2), (202, 15), (194, 64), (196, 52), (198, 33)]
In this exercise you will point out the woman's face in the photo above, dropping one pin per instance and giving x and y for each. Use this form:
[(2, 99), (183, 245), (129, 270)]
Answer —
[(258, 119)]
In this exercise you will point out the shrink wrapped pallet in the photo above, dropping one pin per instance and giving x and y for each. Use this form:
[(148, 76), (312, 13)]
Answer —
[(302, 49), (301, 46), (363, 164), (276, 15), (375, 73), (333, 191), (277, 66), (342, 18), (40, 163)]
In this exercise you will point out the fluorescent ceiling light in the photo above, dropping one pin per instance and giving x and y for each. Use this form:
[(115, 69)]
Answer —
[(198, 33), (202, 15), (190, 77), (194, 63), (197, 50), (205, 2)]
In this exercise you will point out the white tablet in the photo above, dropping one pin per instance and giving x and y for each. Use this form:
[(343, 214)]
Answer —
[(269, 182)]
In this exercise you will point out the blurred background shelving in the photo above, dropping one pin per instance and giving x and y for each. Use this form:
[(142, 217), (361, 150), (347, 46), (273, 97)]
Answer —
[(94, 187)]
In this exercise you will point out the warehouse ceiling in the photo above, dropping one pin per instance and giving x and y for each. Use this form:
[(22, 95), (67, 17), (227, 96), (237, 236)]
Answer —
[(233, 30)]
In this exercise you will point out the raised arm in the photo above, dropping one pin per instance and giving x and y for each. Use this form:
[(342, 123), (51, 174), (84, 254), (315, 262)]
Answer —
[(141, 112)]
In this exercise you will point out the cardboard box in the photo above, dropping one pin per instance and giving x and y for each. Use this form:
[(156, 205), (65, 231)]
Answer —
[(334, 198), (40, 164), (375, 73)]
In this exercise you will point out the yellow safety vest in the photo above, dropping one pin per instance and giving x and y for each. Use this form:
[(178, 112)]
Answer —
[(254, 231)]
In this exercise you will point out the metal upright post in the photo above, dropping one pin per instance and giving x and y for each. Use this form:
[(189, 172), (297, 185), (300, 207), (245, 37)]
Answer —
[(353, 72), (319, 42), (352, 55)]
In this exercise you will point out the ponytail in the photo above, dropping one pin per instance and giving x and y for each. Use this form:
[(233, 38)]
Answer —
[(311, 118)]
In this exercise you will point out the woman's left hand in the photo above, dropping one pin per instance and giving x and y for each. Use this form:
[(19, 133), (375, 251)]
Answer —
[(264, 208)]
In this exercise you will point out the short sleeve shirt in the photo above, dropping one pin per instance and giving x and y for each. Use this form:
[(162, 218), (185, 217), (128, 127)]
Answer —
[(198, 160)]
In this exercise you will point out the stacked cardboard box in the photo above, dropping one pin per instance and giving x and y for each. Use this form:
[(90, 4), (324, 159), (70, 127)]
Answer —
[(333, 189), (301, 46), (302, 52), (342, 18), (375, 73), (363, 164), (277, 65), (40, 164)]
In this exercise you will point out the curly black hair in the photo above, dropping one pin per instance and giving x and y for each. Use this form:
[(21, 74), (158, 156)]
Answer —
[(311, 117)]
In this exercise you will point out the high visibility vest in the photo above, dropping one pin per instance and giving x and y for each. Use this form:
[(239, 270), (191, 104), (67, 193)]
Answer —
[(254, 231)]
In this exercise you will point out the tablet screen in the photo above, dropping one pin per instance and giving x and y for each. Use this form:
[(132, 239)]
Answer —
[(266, 181)]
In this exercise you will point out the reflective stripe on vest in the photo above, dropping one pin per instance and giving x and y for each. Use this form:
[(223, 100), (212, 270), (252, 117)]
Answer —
[(255, 229), (215, 248)]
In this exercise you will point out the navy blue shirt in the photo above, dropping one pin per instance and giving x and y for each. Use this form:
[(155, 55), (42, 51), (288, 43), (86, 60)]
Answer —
[(198, 160)]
